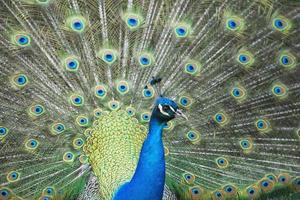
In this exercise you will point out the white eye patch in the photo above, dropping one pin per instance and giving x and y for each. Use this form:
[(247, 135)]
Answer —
[(161, 110)]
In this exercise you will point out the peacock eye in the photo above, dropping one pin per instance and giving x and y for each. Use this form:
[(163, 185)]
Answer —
[(166, 108)]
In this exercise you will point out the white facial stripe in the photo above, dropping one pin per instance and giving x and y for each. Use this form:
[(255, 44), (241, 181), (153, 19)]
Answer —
[(172, 109), (161, 110)]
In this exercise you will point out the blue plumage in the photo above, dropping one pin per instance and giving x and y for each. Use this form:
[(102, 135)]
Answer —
[(148, 180)]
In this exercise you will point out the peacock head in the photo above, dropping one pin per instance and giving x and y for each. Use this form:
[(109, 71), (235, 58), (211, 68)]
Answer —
[(165, 110)]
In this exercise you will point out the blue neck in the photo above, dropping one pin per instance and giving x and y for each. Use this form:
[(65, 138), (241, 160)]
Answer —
[(149, 177)]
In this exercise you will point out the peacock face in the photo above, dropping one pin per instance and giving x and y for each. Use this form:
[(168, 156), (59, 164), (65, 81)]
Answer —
[(166, 109)]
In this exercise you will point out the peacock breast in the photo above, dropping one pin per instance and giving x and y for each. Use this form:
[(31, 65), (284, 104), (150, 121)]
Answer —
[(113, 149)]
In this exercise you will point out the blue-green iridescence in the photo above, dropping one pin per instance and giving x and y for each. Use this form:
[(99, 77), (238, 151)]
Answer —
[(32, 144), (3, 131)]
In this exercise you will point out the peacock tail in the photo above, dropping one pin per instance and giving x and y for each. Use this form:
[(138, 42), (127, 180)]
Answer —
[(74, 108)]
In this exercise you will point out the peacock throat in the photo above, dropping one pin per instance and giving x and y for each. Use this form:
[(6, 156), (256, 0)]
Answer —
[(113, 149)]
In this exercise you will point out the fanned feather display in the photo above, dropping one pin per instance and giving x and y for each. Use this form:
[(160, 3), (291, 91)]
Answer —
[(76, 96)]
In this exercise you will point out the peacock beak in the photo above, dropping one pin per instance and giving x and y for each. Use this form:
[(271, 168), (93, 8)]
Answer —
[(179, 113)]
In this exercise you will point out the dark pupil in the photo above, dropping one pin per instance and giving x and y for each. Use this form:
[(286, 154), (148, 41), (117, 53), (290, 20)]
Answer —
[(3, 193), (20, 80), (108, 56), (72, 64), (77, 24), (132, 21), (165, 108), (22, 39), (285, 60), (145, 60), (279, 23), (181, 30), (232, 23)]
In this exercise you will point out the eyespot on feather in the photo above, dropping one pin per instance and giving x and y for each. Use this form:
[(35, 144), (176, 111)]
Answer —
[(68, 157), (13, 176), (193, 136), (222, 162), (109, 56), (114, 105), (77, 23), (182, 30), (221, 118), (133, 20), (77, 100), (19, 80), (188, 178), (281, 24), (263, 125), (266, 185), (122, 87), (32, 144), (78, 143), (195, 192), (21, 39), (101, 91), (5, 193), (3, 132), (218, 195), (82, 121), (57, 128)]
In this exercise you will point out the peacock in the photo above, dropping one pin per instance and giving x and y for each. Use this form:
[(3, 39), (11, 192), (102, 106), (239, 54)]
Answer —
[(149, 99)]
